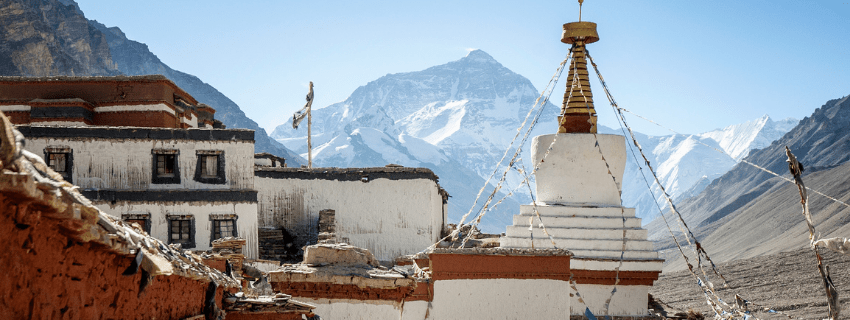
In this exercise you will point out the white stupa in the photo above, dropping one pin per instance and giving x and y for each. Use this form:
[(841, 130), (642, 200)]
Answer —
[(578, 201)]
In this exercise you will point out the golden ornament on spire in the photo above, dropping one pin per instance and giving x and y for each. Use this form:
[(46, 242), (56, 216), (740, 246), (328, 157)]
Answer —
[(577, 113)]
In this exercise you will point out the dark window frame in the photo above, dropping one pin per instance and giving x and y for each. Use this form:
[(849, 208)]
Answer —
[(69, 160), (145, 217), (220, 177), (214, 218), (190, 219), (155, 177)]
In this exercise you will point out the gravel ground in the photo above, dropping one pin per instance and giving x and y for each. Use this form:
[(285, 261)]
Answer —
[(788, 282)]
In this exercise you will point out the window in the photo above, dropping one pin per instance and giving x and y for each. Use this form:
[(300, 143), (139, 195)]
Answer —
[(166, 166), (60, 159), (223, 225), (143, 219), (181, 229), (210, 167), (224, 228)]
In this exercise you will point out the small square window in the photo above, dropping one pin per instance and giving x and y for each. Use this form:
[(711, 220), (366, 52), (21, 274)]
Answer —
[(60, 159), (166, 166), (143, 219), (57, 161), (181, 229), (210, 167), (223, 225), (224, 228)]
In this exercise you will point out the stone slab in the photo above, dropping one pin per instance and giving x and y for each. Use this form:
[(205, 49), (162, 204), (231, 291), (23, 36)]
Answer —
[(556, 210), (579, 222)]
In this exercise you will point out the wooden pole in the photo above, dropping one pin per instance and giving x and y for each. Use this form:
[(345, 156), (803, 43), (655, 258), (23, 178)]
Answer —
[(796, 169), (309, 132)]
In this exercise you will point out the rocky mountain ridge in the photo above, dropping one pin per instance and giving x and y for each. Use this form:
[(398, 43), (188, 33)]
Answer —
[(44, 38), (53, 37)]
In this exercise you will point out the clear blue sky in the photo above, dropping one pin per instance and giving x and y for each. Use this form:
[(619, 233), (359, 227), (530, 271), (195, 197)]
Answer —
[(691, 65)]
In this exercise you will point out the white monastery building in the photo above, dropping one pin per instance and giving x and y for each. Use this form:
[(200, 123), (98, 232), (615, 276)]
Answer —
[(142, 149)]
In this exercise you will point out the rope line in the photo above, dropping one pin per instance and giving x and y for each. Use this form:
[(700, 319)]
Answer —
[(698, 250), (549, 87), (534, 121), (742, 160), (706, 286)]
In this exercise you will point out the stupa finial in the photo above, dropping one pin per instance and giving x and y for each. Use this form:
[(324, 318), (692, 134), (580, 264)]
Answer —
[(577, 112), (580, 2)]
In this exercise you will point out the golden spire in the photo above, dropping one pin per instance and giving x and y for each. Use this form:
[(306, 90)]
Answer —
[(577, 113)]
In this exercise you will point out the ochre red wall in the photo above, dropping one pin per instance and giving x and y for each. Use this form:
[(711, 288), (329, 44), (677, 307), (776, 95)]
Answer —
[(43, 275), (99, 93), (94, 91), (153, 119)]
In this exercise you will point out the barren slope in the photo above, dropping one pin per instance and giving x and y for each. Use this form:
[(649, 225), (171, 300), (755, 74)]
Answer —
[(787, 282), (773, 222)]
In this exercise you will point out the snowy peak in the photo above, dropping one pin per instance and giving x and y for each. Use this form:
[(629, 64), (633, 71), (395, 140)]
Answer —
[(737, 140), (686, 164), (479, 56)]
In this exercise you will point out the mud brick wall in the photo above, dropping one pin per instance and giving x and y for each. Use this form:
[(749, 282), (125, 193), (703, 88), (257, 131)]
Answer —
[(276, 245), (45, 275), (327, 226)]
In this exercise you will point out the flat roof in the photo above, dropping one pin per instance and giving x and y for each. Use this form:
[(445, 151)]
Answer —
[(346, 174)]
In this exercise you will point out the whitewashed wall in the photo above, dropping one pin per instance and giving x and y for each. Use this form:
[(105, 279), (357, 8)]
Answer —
[(332, 309), (462, 299), (627, 301), (501, 299), (246, 223), (389, 217), (127, 164)]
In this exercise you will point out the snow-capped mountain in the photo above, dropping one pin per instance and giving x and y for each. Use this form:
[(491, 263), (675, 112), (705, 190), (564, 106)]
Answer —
[(737, 140), (686, 164), (461, 115), (682, 162), (459, 118)]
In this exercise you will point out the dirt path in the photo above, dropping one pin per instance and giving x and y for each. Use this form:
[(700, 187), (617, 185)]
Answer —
[(787, 282)]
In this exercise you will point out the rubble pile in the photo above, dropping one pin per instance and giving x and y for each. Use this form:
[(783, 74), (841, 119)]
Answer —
[(339, 254), (477, 239), (340, 271), (279, 303), (230, 248)]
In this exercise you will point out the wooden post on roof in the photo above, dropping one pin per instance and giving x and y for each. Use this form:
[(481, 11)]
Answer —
[(298, 116), (309, 128)]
